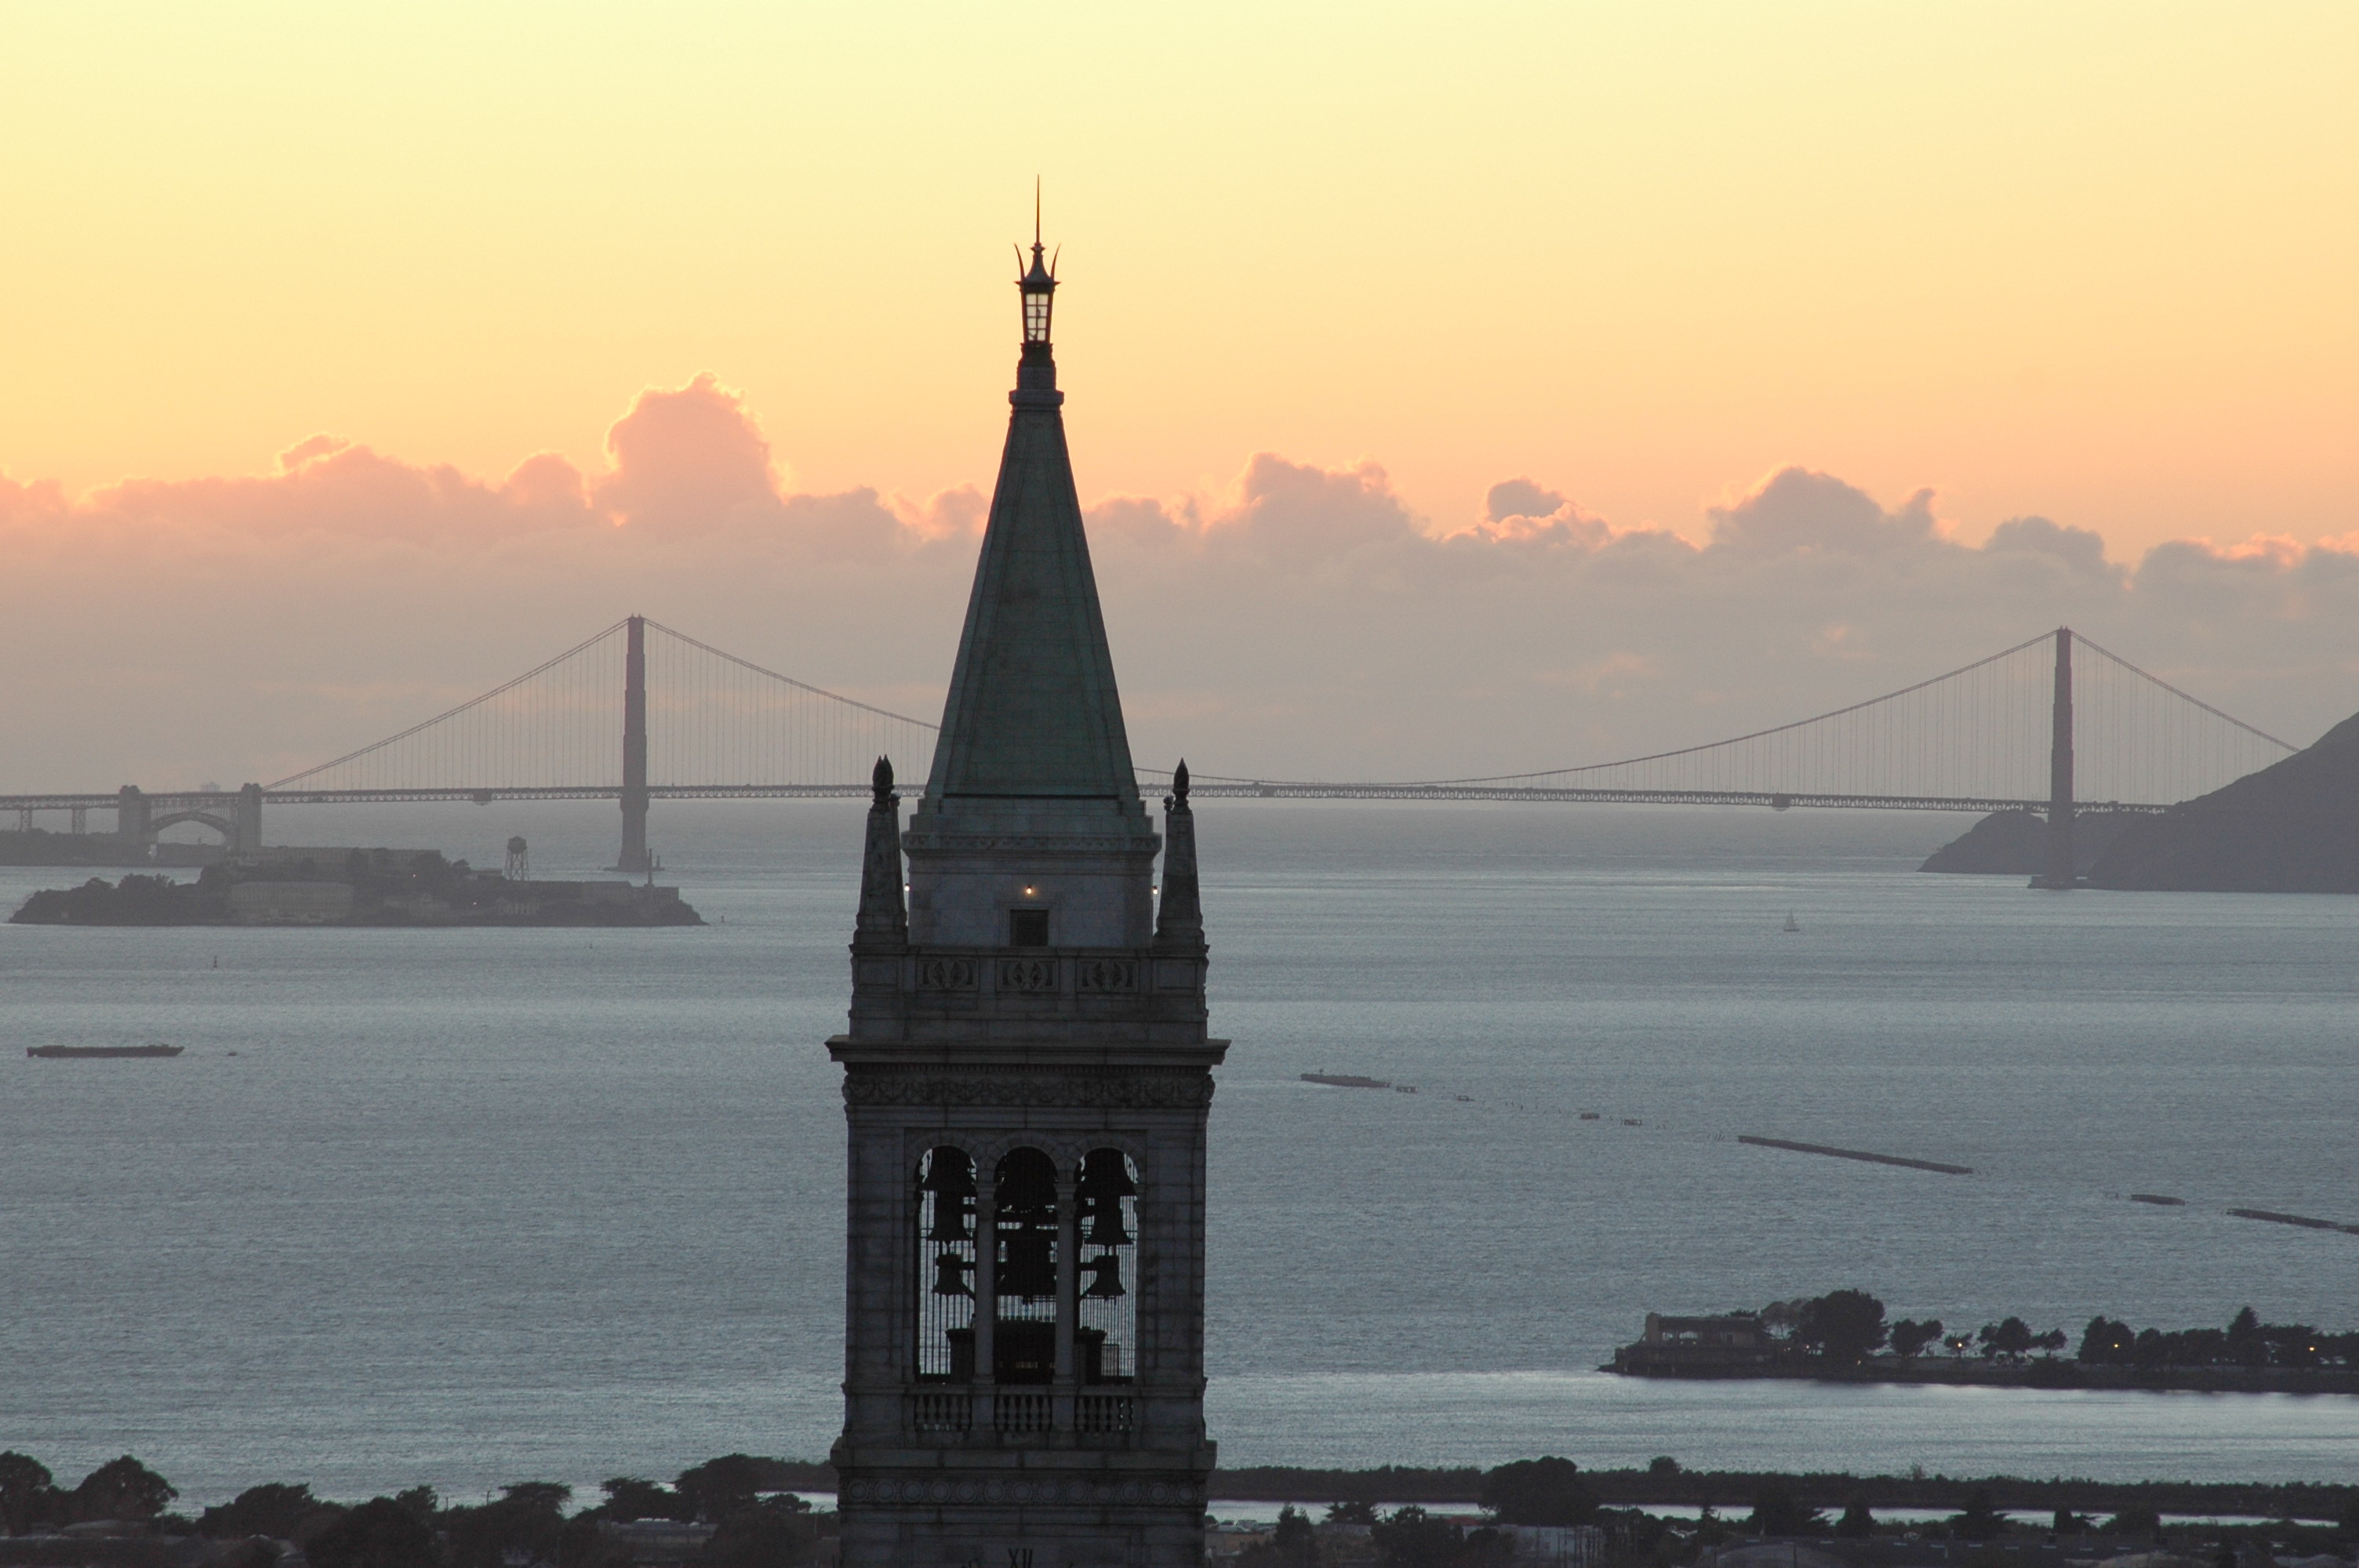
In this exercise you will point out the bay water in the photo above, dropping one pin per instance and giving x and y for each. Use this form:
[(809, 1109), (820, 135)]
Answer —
[(470, 1207)]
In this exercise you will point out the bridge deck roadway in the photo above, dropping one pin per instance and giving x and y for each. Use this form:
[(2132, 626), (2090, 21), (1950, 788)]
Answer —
[(181, 800)]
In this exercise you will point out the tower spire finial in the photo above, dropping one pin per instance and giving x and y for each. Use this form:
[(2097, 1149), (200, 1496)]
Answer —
[(1038, 283), (1179, 918)]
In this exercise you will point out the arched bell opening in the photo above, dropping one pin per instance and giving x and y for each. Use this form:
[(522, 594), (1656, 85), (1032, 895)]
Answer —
[(946, 1257), (1105, 1334), (1023, 1333)]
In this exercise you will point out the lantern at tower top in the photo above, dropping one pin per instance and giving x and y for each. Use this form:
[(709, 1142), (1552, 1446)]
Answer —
[(1038, 283)]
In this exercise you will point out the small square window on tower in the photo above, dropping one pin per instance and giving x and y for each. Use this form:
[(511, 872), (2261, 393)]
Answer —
[(1028, 928)]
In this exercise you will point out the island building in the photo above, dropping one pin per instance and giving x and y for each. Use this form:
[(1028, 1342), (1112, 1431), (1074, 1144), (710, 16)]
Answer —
[(1026, 1077), (1698, 1347)]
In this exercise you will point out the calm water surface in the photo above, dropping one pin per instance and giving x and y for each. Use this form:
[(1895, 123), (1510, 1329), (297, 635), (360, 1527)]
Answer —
[(469, 1208)]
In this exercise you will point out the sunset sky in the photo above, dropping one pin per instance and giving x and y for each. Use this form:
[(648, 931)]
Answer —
[(2091, 263)]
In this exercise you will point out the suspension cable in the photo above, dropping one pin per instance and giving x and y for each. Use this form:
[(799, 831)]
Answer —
[(452, 713), (2184, 696), (800, 685)]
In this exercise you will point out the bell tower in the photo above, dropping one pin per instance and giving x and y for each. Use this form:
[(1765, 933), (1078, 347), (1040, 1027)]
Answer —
[(1026, 1077)]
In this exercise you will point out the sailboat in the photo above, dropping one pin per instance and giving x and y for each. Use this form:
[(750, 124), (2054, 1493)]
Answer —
[(1792, 924)]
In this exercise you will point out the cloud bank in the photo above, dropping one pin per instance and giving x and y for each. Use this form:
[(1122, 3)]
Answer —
[(1305, 622)]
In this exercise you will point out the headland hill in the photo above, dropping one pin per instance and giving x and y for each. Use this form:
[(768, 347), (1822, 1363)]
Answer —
[(2292, 826), (1843, 1337), (353, 887)]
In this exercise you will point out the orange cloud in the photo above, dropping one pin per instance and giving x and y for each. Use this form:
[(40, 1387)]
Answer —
[(1306, 620)]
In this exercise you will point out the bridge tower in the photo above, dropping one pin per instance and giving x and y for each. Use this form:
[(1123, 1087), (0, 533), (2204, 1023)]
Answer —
[(246, 836), (634, 855), (1027, 1080), (132, 814), (2060, 872)]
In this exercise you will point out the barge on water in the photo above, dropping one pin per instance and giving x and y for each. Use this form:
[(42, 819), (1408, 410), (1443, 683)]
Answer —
[(81, 1050)]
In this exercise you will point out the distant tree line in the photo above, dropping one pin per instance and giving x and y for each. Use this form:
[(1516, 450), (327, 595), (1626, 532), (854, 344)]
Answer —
[(1552, 1491), (2246, 1342), (753, 1523)]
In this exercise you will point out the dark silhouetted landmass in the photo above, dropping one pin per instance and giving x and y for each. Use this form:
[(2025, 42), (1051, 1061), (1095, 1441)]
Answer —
[(2291, 827), (353, 887), (738, 1511), (134, 901), (1672, 1485), (1842, 1337), (2014, 844)]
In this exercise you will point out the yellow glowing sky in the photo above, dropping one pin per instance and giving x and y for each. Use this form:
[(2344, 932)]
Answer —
[(2091, 261)]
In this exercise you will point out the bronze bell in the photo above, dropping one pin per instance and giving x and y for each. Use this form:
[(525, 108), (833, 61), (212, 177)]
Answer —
[(949, 1176), (1028, 1265), (1105, 1225), (950, 1275), (1105, 1277), (953, 1218), (1105, 1182)]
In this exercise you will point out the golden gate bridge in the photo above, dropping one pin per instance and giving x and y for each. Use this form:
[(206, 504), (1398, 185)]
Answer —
[(640, 712)]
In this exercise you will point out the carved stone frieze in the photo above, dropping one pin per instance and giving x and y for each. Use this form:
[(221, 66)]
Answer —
[(1032, 844), (946, 974), (1105, 973), (1027, 974), (1132, 1090)]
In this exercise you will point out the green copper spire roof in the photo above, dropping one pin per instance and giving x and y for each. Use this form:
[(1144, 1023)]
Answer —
[(1033, 711)]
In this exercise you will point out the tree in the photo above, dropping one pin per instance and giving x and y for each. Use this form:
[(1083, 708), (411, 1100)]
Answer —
[(1294, 1543), (1350, 1513), (382, 1532), (1483, 1547), (1981, 1520), (526, 1520), (722, 1486), (774, 1532), (1857, 1523), (2105, 1340), (1538, 1491), (1842, 1325), (272, 1509), (2010, 1338), (26, 1492), (2135, 1522), (1662, 1467), (122, 1488), (2067, 1522), (629, 1497), (1908, 1337), (1413, 1539), (1775, 1512), (2248, 1343)]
